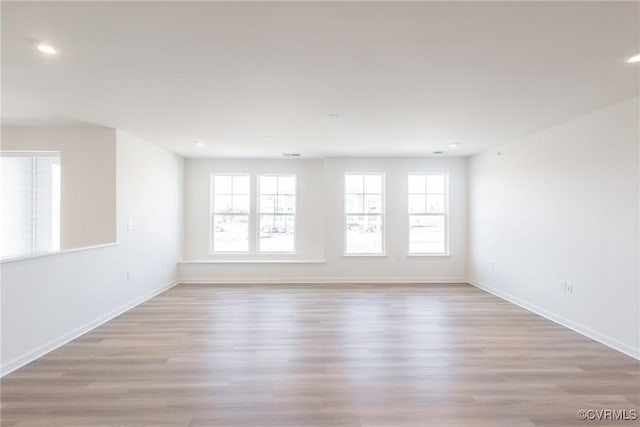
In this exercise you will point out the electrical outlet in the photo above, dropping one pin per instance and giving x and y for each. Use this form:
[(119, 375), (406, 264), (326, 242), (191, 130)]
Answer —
[(567, 287), (128, 275)]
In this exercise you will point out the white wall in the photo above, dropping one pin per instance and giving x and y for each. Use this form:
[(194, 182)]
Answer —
[(321, 224), (562, 205), (88, 178), (49, 300)]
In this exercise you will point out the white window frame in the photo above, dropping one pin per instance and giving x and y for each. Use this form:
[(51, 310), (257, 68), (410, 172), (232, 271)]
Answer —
[(212, 213), (382, 214), (294, 214), (445, 214)]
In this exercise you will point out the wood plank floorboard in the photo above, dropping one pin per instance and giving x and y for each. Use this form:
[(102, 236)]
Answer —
[(330, 355)]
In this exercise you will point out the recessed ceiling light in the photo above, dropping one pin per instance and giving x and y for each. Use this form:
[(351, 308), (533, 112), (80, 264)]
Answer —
[(48, 49), (454, 145), (438, 152), (634, 59), (334, 116), (200, 142)]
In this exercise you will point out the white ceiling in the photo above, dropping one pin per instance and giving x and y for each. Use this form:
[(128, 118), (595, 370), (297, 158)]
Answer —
[(405, 78)]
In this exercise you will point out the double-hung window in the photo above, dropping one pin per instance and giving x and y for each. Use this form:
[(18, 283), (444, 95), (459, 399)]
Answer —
[(428, 210), (230, 213), (30, 198), (364, 214), (277, 213)]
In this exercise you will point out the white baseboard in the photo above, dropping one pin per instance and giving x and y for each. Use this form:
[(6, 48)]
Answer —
[(64, 339), (321, 280), (574, 326)]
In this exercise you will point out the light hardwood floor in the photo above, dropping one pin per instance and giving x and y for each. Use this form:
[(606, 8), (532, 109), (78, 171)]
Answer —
[(331, 355)]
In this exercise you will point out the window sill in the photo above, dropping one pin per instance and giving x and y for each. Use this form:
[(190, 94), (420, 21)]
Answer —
[(247, 253), (364, 255), (428, 255), (254, 261)]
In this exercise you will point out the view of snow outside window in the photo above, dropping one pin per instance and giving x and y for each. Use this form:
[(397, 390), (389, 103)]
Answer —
[(364, 209), (427, 213), (230, 222), (277, 208)]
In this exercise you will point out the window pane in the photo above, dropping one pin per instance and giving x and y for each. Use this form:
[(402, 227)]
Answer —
[(241, 184), (222, 204), (435, 204), (240, 203), (417, 203), (286, 204), (44, 202), (354, 203), (268, 184), (373, 184), (222, 184), (17, 205), (354, 184), (373, 204), (435, 184), (30, 201), (417, 184), (426, 234), (364, 234), (231, 233), (55, 206), (268, 204), (286, 185), (277, 233)]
